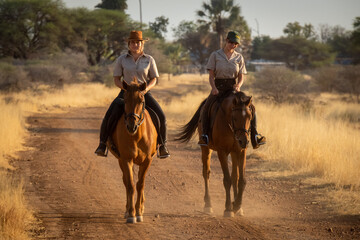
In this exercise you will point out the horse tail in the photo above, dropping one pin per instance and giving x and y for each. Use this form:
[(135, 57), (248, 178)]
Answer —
[(188, 130)]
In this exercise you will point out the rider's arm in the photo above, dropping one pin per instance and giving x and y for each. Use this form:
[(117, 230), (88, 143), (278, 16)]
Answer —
[(214, 90), (150, 84), (241, 79), (118, 82)]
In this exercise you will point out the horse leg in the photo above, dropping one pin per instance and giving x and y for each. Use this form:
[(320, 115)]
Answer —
[(139, 206), (234, 174), (206, 156), (127, 167), (125, 184), (241, 159), (227, 183)]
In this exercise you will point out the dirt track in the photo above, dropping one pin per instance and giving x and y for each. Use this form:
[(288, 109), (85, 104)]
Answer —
[(78, 195)]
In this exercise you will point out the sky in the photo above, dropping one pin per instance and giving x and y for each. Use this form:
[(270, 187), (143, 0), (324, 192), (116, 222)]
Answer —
[(264, 17)]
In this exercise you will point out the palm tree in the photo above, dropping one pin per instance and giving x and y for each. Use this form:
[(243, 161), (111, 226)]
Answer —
[(219, 15)]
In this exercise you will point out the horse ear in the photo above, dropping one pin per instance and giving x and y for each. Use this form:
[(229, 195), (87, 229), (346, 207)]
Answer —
[(125, 85), (143, 86), (249, 101)]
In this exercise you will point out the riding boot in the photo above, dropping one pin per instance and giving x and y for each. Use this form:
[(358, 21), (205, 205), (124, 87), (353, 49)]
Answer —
[(101, 149), (109, 122), (256, 138), (163, 151)]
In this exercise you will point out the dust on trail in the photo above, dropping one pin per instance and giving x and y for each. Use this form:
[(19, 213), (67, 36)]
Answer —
[(78, 195)]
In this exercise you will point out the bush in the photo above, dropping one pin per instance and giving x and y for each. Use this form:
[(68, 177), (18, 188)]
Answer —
[(280, 83), (12, 78), (341, 79), (49, 74)]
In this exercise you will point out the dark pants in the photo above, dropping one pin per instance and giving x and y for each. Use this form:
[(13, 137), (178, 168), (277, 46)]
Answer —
[(116, 110)]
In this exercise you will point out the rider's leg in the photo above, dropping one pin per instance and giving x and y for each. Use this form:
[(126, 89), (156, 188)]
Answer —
[(205, 120), (112, 115), (162, 132), (256, 138)]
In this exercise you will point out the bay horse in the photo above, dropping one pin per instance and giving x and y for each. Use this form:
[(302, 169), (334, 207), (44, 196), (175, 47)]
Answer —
[(135, 141), (229, 135)]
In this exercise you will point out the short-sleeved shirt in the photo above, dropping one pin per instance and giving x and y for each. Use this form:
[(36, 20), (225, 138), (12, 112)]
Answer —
[(226, 68), (143, 69)]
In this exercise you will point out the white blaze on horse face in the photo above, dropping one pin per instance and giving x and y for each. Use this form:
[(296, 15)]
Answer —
[(243, 112)]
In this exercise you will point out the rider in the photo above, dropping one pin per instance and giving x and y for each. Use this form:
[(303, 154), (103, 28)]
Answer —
[(225, 66), (134, 63)]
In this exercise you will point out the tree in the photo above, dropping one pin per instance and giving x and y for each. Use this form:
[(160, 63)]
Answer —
[(293, 29), (260, 47), (99, 33), (299, 53), (219, 15), (159, 27), (355, 40), (120, 5), (197, 41), (296, 30), (28, 26)]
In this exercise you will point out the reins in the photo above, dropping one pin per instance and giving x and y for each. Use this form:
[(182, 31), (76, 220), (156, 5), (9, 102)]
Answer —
[(140, 117), (232, 124)]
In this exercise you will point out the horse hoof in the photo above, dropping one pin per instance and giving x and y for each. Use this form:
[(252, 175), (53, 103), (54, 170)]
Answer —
[(131, 220), (228, 214), (240, 212), (139, 218), (208, 210)]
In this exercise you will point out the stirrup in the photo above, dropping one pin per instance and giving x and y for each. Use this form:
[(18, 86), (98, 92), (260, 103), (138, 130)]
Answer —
[(260, 139), (204, 140), (163, 152)]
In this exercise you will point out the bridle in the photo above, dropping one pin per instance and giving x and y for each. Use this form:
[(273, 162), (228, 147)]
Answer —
[(139, 118), (232, 124)]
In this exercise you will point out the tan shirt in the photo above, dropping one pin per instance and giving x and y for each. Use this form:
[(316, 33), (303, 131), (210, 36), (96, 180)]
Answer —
[(226, 68), (143, 69)]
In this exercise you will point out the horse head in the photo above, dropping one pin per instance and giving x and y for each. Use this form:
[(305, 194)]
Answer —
[(134, 105), (241, 116)]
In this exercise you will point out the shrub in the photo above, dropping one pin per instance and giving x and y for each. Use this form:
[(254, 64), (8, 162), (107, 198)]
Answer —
[(12, 77), (279, 83)]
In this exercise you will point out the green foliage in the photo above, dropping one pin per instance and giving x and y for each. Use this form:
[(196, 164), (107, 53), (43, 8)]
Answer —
[(100, 33), (299, 53), (113, 5), (355, 41), (159, 27), (296, 30), (222, 16), (28, 26), (260, 47), (197, 41)]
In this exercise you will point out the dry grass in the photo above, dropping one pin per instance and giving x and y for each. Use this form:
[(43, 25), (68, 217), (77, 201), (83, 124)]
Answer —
[(323, 140), (15, 218)]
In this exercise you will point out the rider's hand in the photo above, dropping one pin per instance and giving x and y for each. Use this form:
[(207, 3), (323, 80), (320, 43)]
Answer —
[(237, 88), (214, 91)]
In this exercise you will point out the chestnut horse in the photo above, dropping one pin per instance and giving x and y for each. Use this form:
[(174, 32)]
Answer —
[(135, 141), (230, 135)]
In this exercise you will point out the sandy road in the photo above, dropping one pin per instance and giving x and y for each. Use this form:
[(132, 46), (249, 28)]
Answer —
[(78, 195)]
